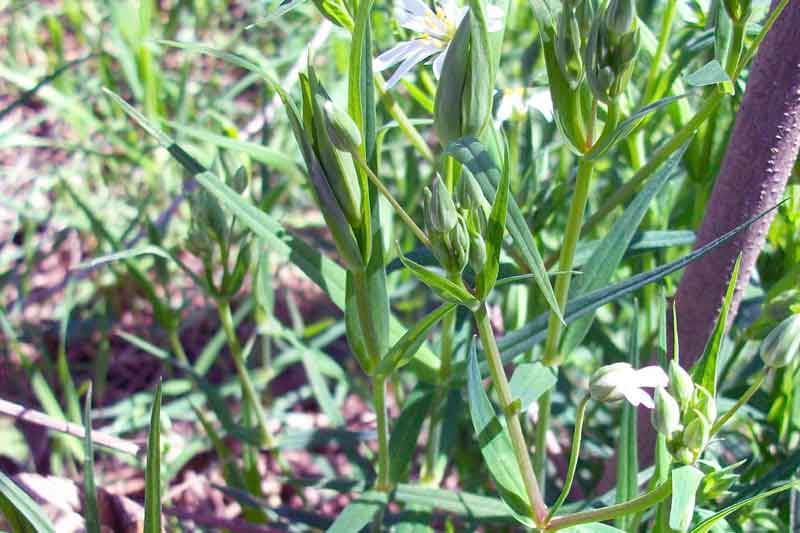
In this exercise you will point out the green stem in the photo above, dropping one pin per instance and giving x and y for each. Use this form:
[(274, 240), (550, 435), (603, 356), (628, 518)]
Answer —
[(663, 40), (681, 136), (735, 51), (721, 421), (571, 235), (403, 122), (540, 437), (503, 388), (573, 456), (430, 475), (248, 389), (372, 346), (612, 511), (395, 204)]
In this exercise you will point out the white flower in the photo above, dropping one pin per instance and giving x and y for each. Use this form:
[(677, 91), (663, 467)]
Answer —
[(613, 383), (516, 101), (436, 29)]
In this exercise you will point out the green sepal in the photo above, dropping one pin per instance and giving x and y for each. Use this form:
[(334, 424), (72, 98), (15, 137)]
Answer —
[(443, 287)]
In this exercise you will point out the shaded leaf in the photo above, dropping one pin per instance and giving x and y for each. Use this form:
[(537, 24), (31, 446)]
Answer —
[(685, 481), (359, 513), (531, 380), (403, 441)]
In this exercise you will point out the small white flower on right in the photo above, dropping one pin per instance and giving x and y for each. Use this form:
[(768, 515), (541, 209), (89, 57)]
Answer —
[(619, 381), (515, 102)]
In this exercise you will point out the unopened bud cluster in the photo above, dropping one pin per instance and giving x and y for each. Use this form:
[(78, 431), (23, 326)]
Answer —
[(738, 10), (456, 230), (574, 26), (684, 414), (611, 50)]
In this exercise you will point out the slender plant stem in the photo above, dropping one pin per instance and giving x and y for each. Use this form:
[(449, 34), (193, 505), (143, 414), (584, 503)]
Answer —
[(430, 476), (612, 511), (573, 456), (372, 346), (663, 40), (397, 113), (736, 49), (544, 403), (503, 388), (395, 204), (721, 421), (248, 389)]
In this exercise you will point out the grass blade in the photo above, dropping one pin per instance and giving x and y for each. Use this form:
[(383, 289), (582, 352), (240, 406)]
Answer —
[(20, 510), (152, 476), (90, 513)]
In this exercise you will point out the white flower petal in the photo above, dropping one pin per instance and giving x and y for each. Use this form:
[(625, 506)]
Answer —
[(408, 63), (400, 52), (415, 7), (651, 376), (494, 18), (438, 63), (638, 397), (541, 101)]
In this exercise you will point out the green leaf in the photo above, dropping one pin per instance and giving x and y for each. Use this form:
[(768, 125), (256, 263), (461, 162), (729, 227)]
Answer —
[(405, 348), (531, 380), (318, 385), (471, 506), (595, 527), (494, 238), (403, 441), (627, 447), (443, 287), (496, 447), (535, 331), (685, 481), (599, 269), (90, 513), (152, 475), (708, 523), (711, 73), (359, 513), (704, 371), (473, 155), (20, 510)]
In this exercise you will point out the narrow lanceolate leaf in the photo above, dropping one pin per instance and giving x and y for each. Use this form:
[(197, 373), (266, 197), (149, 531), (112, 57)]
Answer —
[(359, 513), (534, 332), (707, 524), (473, 155), (90, 514), (685, 481), (711, 73), (472, 506), (531, 380), (599, 269), (20, 511), (495, 444), (152, 474), (405, 348), (403, 442), (595, 527), (704, 371), (443, 287), (494, 238)]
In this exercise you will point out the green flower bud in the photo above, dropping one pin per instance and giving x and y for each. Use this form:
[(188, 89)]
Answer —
[(439, 210), (198, 242), (685, 455), (704, 402), (469, 194), (342, 131), (738, 10), (697, 432), (584, 14), (666, 416), (619, 16), (568, 48), (782, 344), (208, 215), (460, 246), (681, 385), (477, 253)]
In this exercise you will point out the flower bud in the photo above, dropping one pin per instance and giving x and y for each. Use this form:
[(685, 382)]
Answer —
[(782, 344), (619, 16), (477, 253), (704, 402), (239, 181), (681, 385), (208, 215), (568, 48), (738, 10), (685, 455), (469, 194), (440, 211), (198, 242), (342, 131), (697, 432), (604, 385), (666, 416)]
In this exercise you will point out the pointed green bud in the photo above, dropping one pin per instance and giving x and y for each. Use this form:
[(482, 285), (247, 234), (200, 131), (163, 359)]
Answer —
[(477, 253), (685, 455), (198, 242), (681, 385), (619, 16), (666, 416), (439, 210), (208, 215), (782, 344), (738, 10), (568, 48), (460, 246), (239, 181), (469, 194), (705, 403), (697, 432), (342, 131)]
